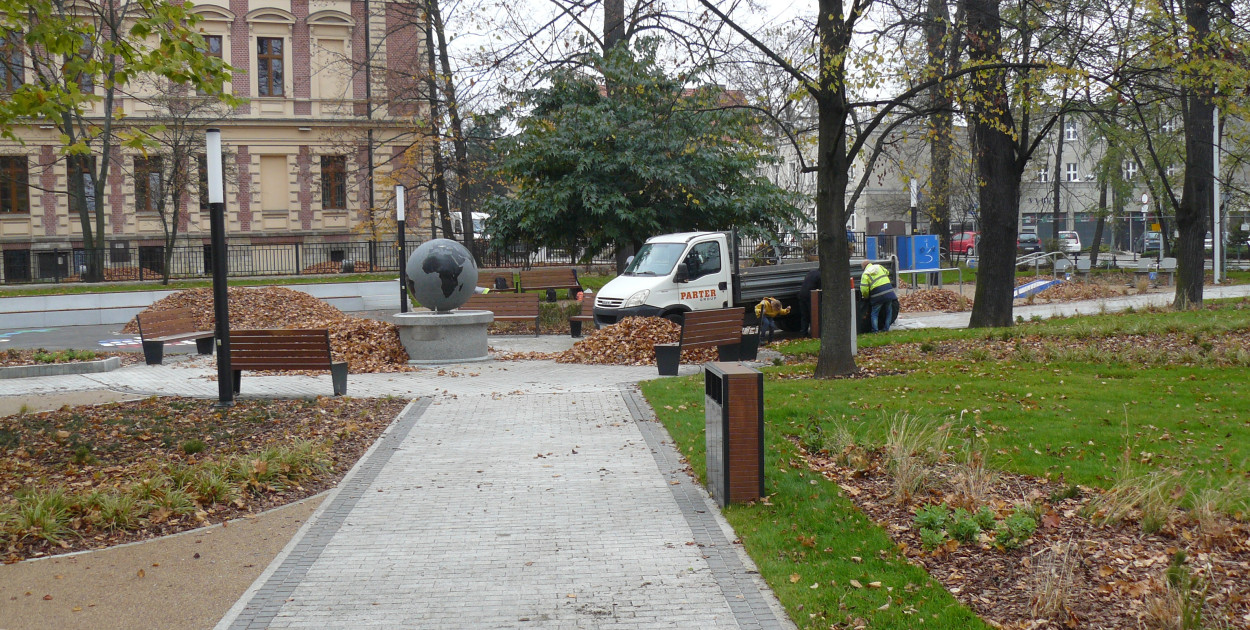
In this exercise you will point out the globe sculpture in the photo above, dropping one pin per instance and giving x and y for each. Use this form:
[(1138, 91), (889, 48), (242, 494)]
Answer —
[(441, 274)]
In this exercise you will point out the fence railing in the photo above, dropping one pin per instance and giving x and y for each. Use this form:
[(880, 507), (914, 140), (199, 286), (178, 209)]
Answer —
[(123, 263)]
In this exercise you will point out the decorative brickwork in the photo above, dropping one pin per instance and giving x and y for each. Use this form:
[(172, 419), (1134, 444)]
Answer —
[(47, 179), (359, 50), (302, 59), (117, 191), (362, 182), (240, 53), (403, 46), (303, 163), (243, 161)]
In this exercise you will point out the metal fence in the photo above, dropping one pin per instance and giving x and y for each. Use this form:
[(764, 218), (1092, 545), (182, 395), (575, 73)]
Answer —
[(125, 263)]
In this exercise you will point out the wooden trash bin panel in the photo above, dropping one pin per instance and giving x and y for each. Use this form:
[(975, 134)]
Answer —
[(734, 422)]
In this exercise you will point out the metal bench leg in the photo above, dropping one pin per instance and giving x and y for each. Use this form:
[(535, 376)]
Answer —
[(204, 345), (153, 352), (575, 328), (236, 376), (535, 326), (338, 375), (668, 358)]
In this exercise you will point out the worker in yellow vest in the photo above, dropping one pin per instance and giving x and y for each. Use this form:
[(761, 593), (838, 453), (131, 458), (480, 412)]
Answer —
[(875, 286)]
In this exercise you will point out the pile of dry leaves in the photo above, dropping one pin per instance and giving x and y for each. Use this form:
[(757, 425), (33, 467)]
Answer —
[(631, 341), (367, 345), (330, 266), (1071, 573), (90, 452), (934, 300), (1069, 291)]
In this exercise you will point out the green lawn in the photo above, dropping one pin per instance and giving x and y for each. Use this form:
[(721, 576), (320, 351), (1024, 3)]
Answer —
[(1065, 397)]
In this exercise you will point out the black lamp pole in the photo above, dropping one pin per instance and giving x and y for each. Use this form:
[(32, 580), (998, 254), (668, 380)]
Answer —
[(221, 303), (403, 267)]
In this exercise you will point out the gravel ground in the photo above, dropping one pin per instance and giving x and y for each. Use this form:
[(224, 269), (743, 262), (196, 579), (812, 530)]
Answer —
[(184, 581)]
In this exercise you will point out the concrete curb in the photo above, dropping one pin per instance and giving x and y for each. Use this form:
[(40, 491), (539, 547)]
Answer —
[(61, 369)]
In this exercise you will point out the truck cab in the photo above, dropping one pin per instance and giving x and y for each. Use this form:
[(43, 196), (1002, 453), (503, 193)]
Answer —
[(670, 275)]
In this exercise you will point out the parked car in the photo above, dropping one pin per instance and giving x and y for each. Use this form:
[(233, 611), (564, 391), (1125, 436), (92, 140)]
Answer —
[(1069, 242), (1207, 244), (1028, 243), (1148, 243), (963, 243)]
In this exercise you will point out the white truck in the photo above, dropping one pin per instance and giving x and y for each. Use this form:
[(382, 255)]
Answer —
[(674, 274)]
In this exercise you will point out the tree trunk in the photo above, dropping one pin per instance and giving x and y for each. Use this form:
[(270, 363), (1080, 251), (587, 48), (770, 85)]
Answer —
[(832, 168), (999, 193), (1197, 197), (1056, 212), (940, 145), (1098, 227), (439, 181), (460, 148)]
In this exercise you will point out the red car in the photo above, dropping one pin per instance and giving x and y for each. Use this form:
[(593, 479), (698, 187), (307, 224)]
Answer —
[(963, 243)]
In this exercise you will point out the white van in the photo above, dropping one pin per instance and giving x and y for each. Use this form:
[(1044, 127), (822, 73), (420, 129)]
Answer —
[(1069, 242)]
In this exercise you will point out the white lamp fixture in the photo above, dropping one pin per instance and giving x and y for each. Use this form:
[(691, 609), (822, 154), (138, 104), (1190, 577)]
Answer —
[(216, 189), (399, 202)]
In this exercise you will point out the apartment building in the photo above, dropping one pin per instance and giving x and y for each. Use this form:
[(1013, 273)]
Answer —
[(312, 156)]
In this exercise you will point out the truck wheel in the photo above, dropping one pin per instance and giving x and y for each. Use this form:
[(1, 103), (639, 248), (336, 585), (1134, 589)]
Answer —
[(677, 317)]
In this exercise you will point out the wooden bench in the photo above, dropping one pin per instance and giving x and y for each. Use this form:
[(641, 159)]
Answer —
[(517, 307), (551, 278), (720, 329), (156, 328), (575, 324), (285, 349), (488, 278)]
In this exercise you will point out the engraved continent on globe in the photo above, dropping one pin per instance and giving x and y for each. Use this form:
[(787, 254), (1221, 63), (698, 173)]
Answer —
[(441, 274)]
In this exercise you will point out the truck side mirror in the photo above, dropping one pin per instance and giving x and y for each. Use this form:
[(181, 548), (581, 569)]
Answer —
[(629, 260), (682, 275)]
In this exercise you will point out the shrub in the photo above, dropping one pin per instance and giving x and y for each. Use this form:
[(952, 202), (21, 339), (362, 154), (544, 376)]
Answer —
[(912, 446), (1013, 531), (985, 518), (193, 446), (963, 527), (212, 486), (933, 516), (932, 539), (115, 510), (44, 515)]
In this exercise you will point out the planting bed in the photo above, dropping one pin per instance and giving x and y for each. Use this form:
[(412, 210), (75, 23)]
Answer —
[(92, 477)]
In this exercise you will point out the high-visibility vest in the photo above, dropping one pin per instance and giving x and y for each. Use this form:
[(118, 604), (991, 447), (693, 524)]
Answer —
[(875, 281)]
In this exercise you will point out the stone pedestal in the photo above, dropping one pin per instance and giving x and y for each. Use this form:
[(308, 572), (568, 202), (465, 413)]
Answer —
[(449, 337)]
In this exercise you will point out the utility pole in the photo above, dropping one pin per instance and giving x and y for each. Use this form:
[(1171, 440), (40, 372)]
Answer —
[(221, 296)]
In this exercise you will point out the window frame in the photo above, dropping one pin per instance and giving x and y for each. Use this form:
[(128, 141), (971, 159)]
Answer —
[(74, 165), (12, 63), (265, 62), (14, 186), (1069, 130), (209, 52), (333, 182), (1129, 170), (144, 168), (1071, 174)]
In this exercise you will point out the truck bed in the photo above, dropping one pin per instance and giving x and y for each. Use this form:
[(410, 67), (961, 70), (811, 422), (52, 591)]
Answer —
[(779, 281)]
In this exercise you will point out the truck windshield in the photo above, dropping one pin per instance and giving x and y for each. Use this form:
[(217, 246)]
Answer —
[(655, 259)]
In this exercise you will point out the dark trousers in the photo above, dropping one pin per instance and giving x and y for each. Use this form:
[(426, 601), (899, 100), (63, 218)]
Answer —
[(882, 315), (768, 328)]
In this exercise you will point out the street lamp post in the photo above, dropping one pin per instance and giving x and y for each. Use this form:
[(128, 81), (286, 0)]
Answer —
[(221, 303), (403, 267)]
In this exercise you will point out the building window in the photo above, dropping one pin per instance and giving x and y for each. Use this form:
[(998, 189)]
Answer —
[(333, 182), (83, 167), (147, 183), (1129, 170), (1169, 126), (1069, 130), (269, 66), (14, 191), (212, 48), (85, 78), (1172, 170), (12, 68), (1043, 175), (201, 164), (1071, 172)]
